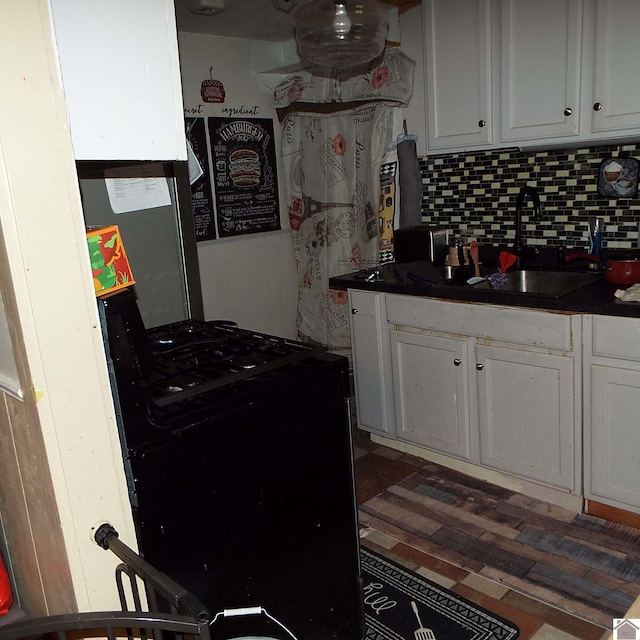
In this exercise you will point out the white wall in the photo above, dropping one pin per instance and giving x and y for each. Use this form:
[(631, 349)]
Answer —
[(67, 396), (248, 279)]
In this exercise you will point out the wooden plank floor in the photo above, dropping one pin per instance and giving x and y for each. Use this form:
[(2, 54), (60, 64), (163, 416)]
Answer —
[(555, 574)]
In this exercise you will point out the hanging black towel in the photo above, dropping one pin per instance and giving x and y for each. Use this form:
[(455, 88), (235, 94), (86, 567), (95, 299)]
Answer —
[(410, 181)]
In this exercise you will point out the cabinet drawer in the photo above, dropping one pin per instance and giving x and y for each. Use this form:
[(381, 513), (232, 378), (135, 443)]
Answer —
[(616, 337), (492, 322)]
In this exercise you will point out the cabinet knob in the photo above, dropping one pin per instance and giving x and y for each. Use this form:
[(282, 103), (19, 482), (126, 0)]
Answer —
[(354, 311), (568, 111), (479, 366), (597, 106), (482, 123), (457, 362)]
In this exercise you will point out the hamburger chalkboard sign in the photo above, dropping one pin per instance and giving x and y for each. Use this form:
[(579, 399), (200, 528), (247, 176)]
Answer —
[(244, 166)]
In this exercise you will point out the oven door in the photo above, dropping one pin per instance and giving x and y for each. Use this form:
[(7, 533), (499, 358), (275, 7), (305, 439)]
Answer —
[(256, 506)]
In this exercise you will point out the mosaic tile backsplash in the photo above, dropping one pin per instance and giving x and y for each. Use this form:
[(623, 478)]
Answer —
[(474, 195)]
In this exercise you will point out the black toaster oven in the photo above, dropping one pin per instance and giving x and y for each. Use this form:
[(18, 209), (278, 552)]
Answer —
[(421, 242)]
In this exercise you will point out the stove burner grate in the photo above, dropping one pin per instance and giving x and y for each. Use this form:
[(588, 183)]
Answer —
[(193, 358)]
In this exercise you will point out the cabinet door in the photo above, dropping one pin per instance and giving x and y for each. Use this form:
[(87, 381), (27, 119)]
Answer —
[(616, 87), (430, 390), (371, 362), (526, 414), (614, 436), (457, 61), (540, 68), (121, 77)]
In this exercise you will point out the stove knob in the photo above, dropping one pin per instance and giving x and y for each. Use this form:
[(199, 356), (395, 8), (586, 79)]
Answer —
[(354, 311)]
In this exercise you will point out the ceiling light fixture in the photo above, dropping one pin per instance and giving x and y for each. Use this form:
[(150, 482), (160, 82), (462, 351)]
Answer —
[(207, 7), (340, 34), (284, 5), (341, 22)]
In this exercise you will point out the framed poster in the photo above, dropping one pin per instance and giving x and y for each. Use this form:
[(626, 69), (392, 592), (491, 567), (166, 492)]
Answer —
[(201, 193), (245, 177)]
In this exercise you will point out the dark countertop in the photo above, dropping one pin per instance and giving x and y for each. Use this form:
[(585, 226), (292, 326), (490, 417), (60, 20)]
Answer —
[(596, 298)]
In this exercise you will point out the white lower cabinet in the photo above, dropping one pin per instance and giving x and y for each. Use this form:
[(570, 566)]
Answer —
[(612, 411), (502, 388), (493, 386), (430, 389), (371, 362), (526, 414)]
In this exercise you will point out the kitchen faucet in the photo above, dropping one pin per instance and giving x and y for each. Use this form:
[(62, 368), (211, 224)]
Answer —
[(519, 247)]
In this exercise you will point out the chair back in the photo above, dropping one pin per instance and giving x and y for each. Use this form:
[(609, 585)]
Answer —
[(171, 612)]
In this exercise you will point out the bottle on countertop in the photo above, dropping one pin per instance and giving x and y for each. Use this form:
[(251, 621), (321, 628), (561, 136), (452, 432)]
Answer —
[(596, 231)]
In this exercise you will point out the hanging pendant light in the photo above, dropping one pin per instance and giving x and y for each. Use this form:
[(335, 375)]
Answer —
[(284, 5), (341, 21), (340, 33), (207, 7)]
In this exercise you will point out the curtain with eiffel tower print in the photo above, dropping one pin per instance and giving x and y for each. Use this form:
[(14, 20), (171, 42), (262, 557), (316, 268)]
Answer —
[(331, 158)]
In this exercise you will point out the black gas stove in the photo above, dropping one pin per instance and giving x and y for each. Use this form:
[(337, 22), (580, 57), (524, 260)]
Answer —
[(237, 449), (170, 377), (192, 358)]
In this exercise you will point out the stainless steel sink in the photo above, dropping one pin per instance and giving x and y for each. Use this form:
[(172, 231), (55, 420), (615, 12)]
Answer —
[(545, 284)]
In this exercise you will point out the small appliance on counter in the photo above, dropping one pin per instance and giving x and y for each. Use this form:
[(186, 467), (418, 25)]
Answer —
[(421, 242)]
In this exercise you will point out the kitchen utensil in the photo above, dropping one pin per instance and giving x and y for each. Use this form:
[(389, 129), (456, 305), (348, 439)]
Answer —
[(422, 633), (621, 266), (474, 250), (461, 256), (506, 260), (414, 277), (423, 269)]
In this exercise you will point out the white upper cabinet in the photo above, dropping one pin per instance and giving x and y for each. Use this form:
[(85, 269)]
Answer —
[(121, 77), (615, 106), (556, 72), (540, 57), (458, 69)]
